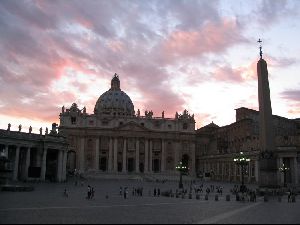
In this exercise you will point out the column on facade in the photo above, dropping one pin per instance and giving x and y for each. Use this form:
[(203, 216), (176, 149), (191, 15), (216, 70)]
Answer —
[(249, 171), (150, 156), (124, 168), (256, 171), (295, 164), (110, 155), (16, 166), (81, 155), (146, 156), (6, 151), (280, 174), (193, 154), (163, 155), (96, 160), (137, 156), (27, 163), (59, 165), (115, 154), (64, 170), (176, 153)]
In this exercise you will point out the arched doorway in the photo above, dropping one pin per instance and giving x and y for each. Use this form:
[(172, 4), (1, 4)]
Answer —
[(142, 167), (71, 161), (103, 164), (185, 160), (130, 165), (156, 165)]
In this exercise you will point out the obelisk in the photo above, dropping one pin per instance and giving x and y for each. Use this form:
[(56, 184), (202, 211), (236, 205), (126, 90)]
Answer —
[(267, 163)]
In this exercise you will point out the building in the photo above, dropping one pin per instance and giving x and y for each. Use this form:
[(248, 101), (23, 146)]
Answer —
[(217, 146), (34, 157), (117, 139)]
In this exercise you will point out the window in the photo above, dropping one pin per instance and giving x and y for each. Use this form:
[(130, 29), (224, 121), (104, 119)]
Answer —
[(170, 126), (185, 126), (73, 120)]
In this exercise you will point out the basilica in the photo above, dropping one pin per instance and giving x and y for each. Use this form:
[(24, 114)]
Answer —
[(116, 138)]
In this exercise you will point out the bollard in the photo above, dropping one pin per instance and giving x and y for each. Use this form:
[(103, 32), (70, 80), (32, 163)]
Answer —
[(206, 197), (228, 198), (279, 199), (266, 199), (293, 198), (216, 198), (237, 197)]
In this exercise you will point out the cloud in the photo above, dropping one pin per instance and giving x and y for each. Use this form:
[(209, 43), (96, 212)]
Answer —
[(270, 12), (293, 95), (213, 37)]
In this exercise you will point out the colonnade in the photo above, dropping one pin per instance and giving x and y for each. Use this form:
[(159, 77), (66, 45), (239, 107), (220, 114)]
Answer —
[(150, 154), (22, 161)]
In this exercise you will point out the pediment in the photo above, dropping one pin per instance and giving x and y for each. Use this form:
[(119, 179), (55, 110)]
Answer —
[(132, 126)]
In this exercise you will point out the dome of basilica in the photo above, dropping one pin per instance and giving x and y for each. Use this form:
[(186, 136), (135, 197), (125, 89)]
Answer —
[(114, 101)]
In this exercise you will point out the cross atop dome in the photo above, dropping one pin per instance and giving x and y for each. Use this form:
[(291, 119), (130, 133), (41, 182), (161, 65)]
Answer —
[(115, 83), (260, 48)]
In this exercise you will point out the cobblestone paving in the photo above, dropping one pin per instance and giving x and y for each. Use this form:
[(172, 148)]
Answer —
[(48, 205)]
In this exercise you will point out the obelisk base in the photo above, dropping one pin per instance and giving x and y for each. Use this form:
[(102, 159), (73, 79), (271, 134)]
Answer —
[(268, 171)]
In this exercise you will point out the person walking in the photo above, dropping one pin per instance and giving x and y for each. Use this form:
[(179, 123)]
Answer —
[(89, 192)]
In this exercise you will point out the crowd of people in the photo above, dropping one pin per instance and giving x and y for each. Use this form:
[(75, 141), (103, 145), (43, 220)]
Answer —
[(243, 195)]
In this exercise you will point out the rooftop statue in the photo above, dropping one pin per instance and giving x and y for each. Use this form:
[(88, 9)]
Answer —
[(8, 128), (20, 128), (30, 130)]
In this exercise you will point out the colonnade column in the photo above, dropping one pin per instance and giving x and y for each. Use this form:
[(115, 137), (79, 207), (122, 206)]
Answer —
[(116, 155), (27, 163), (96, 160), (59, 166), (81, 155), (44, 162), (16, 166), (137, 156), (146, 156), (64, 170), (163, 158), (150, 157), (110, 154), (124, 169)]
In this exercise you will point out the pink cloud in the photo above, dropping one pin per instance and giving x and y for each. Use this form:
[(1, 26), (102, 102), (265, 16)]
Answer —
[(212, 37)]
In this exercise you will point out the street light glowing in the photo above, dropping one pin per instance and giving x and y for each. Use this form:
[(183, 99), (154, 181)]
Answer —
[(242, 161)]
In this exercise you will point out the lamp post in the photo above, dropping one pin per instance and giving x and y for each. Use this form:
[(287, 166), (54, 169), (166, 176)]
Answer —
[(181, 168), (283, 169), (242, 161)]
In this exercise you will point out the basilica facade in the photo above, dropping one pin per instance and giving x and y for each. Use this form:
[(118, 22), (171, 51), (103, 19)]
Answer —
[(117, 139)]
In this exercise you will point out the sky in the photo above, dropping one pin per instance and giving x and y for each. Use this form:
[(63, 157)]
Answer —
[(170, 55)]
